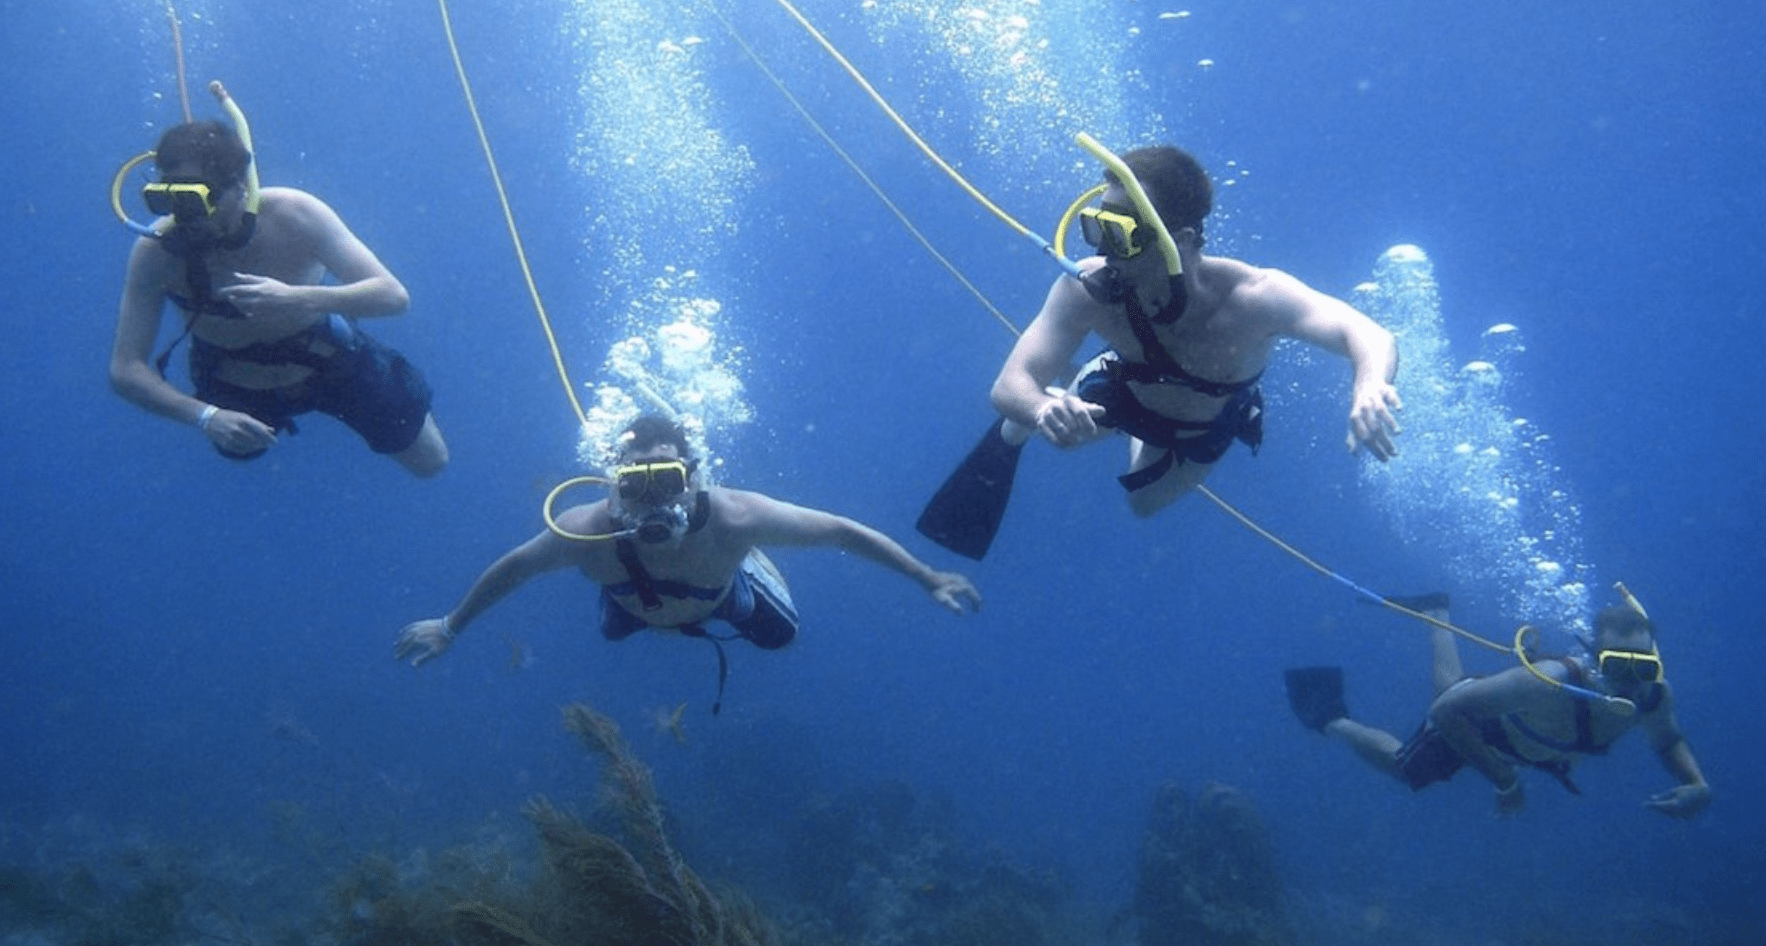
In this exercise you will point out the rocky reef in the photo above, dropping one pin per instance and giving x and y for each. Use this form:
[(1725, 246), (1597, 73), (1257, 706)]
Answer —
[(883, 865), (1207, 874)]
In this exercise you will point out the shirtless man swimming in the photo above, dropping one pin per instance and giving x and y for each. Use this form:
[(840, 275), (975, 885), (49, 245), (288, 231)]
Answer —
[(673, 554), (1548, 717), (1185, 352), (270, 339)]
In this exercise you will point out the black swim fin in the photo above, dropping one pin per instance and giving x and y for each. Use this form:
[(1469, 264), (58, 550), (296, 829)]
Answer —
[(1316, 694), (965, 513)]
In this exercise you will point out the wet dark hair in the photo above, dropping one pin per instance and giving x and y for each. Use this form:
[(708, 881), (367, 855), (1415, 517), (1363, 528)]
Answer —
[(1621, 624), (650, 431), (1174, 182), (209, 145)]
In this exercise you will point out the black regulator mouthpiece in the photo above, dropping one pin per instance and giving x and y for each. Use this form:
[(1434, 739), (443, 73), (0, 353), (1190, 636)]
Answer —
[(660, 526)]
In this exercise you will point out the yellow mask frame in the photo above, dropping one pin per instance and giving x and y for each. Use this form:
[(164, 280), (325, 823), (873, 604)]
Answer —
[(1632, 659), (653, 482), (168, 198)]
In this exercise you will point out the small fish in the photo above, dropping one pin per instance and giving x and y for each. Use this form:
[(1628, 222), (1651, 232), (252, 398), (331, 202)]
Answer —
[(520, 655), (669, 721), (284, 725)]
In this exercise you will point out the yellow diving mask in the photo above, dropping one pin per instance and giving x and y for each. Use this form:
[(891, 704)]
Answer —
[(654, 484), (1114, 231), (182, 200), (1629, 666)]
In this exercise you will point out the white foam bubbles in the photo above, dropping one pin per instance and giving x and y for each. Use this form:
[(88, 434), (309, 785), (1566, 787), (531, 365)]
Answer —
[(648, 131), (995, 75), (672, 365), (665, 184), (1473, 485)]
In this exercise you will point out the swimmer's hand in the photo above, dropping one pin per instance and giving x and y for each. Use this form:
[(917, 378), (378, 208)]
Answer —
[(239, 433), (423, 641), (1373, 421), (1067, 421), (1682, 801), (952, 591), (263, 297)]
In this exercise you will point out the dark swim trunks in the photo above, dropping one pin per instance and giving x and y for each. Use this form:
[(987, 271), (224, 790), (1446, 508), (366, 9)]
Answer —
[(355, 379), (758, 606), (1427, 757), (1104, 382)]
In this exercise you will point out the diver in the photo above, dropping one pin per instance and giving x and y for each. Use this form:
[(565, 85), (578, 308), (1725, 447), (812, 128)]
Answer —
[(1515, 720), (672, 553), (270, 284), (1187, 339)]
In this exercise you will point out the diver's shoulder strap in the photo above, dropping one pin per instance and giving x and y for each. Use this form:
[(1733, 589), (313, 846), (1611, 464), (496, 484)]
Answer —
[(642, 584), (1160, 360), (701, 513), (196, 279), (1152, 349)]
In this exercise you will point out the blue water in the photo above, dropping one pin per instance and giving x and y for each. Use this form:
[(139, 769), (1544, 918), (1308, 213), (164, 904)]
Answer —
[(195, 648)]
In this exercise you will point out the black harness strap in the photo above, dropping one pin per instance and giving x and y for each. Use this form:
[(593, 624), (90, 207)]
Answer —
[(723, 661), (1141, 373), (1148, 475), (701, 512), (1585, 743), (198, 303), (1160, 367), (1151, 348), (642, 584), (201, 300), (1496, 738), (645, 588), (1559, 770)]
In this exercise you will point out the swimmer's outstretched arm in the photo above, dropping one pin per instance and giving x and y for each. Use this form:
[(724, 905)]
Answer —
[(1693, 793), (425, 640), (761, 520), (1334, 325)]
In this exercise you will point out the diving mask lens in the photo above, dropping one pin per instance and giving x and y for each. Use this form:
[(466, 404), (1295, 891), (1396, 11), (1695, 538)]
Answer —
[(1629, 666), (652, 483), (183, 200), (1112, 230)]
